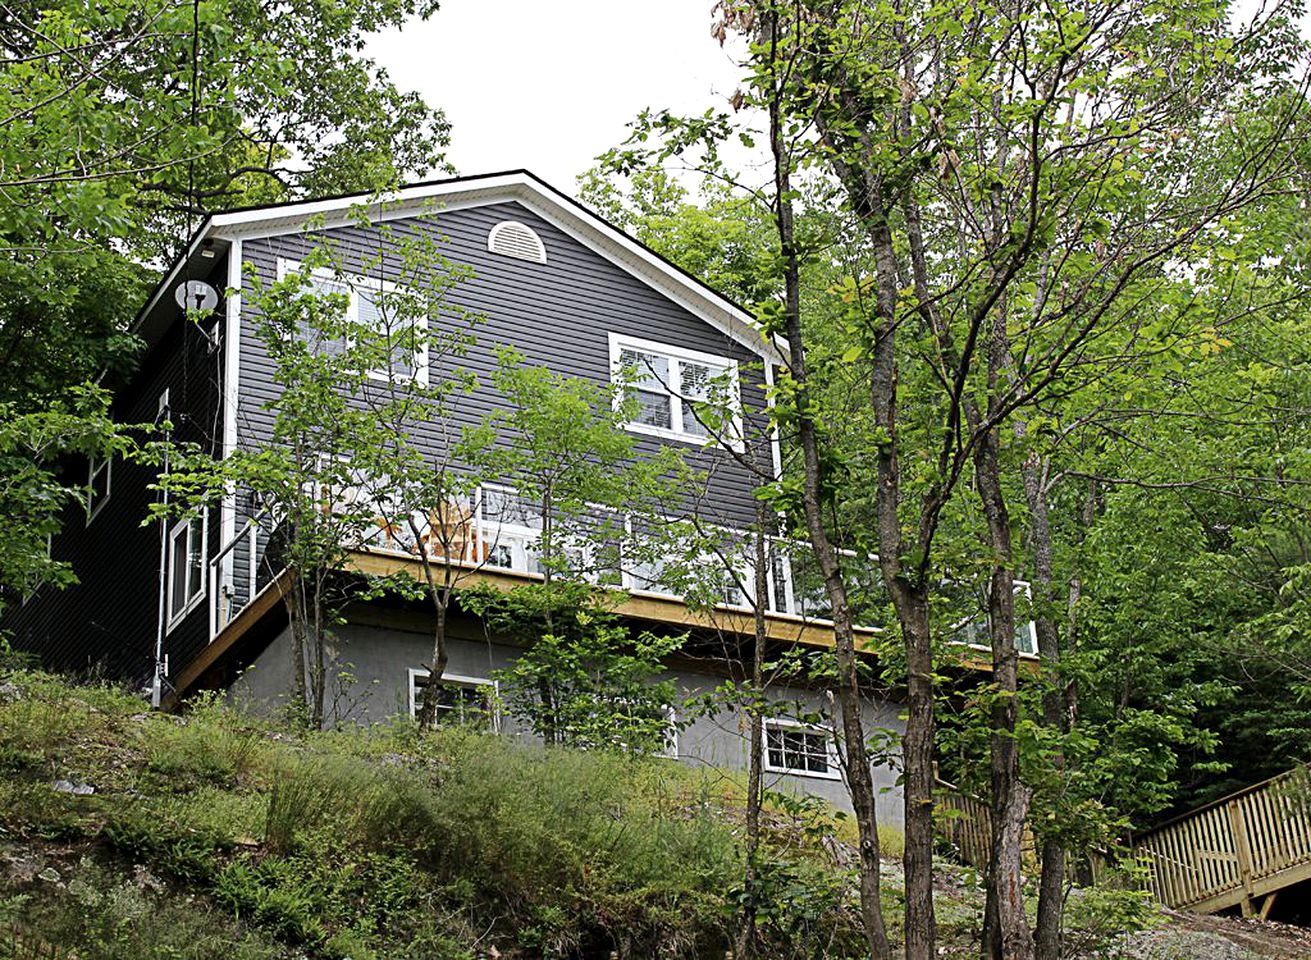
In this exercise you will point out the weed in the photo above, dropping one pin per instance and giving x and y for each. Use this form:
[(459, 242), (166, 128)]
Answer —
[(143, 835), (107, 915)]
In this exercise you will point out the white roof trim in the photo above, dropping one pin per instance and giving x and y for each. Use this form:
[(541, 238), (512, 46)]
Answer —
[(587, 228)]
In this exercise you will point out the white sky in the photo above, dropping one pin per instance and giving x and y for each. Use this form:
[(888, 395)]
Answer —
[(548, 86)]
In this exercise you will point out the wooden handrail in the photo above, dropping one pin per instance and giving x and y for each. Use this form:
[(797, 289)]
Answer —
[(1232, 851)]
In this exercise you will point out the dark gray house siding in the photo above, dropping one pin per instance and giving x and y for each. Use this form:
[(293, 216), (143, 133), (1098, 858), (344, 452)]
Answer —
[(559, 314), (106, 624), (377, 658)]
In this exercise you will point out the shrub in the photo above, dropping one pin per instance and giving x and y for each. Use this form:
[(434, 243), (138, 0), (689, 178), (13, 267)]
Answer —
[(210, 747), (602, 840), (103, 914), (1096, 917)]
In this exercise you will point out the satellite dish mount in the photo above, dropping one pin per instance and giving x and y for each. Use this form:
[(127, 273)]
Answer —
[(199, 299)]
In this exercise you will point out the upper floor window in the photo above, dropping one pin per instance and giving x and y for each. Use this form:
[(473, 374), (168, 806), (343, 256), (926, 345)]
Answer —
[(513, 239), (680, 394), (379, 306), (97, 485)]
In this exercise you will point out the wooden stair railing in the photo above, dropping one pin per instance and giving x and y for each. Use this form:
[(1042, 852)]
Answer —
[(1237, 851)]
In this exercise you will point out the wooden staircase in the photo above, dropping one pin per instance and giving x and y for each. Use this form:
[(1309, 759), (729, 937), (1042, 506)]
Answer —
[(1238, 851)]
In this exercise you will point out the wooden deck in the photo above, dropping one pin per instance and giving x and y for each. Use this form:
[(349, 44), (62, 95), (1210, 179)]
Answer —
[(1239, 851)]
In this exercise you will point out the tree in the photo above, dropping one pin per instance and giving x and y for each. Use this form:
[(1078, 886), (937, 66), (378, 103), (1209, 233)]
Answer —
[(1023, 206), (424, 492), (585, 680), (34, 490), (304, 480), (573, 476), (123, 123)]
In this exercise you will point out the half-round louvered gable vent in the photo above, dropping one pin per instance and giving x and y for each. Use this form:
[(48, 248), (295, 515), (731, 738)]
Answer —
[(513, 239)]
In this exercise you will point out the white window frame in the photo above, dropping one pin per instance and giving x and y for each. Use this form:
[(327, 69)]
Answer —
[(198, 597), (461, 680), (94, 466), (670, 751), (834, 761), (733, 429), (496, 533), (351, 284)]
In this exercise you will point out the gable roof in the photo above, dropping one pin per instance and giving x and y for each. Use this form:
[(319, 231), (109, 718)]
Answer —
[(552, 205)]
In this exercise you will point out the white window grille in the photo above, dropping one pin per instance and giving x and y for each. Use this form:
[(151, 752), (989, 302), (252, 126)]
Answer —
[(372, 303), (800, 749), (99, 475), (461, 700), (186, 567)]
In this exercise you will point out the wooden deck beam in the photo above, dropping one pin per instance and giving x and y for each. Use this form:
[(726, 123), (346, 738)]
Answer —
[(672, 611)]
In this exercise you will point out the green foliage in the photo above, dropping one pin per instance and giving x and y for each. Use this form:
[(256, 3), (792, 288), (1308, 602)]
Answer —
[(1119, 904), (101, 912), (380, 842), (113, 146), (585, 680), (36, 488), (142, 835)]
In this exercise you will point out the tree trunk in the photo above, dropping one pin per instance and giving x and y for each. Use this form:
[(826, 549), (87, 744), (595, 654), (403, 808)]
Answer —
[(860, 783), (746, 938), (318, 667), (1009, 936), (297, 615), (440, 596), (1051, 883), (912, 608), (436, 667)]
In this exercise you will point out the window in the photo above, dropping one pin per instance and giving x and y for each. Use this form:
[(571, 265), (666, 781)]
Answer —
[(510, 529), (97, 485), (513, 239), (679, 393), (797, 748), (372, 303), (461, 700), (186, 567)]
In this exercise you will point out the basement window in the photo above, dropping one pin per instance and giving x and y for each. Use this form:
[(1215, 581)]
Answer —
[(800, 749), (461, 700), (186, 567), (513, 239), (97, 485)]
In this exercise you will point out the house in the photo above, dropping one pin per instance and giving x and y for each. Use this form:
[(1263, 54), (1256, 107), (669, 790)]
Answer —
[(182, 605)]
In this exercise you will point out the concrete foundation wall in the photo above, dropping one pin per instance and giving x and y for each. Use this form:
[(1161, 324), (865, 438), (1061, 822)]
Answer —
[(378, 659)]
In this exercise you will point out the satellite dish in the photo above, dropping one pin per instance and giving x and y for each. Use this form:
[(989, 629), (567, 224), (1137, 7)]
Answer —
[(196, 295)]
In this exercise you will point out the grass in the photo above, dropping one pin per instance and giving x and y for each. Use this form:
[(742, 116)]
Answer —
[(358, 843), (215, 834)]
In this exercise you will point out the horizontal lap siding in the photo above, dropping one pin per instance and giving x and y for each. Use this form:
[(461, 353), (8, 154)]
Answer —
[(558, 314), (106, 623)]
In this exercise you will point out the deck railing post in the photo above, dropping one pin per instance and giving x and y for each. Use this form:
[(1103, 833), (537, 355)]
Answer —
[(1238, 823)]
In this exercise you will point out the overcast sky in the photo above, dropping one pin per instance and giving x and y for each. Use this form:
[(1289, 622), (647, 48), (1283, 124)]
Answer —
[(548, 86)]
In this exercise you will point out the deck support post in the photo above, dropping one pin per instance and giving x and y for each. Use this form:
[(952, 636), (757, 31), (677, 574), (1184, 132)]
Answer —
[(1266, 904)]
